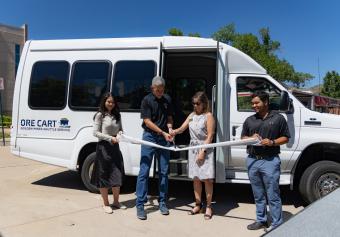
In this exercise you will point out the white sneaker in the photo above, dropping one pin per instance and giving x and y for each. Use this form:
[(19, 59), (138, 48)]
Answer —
[(119, 206), (108, 209)]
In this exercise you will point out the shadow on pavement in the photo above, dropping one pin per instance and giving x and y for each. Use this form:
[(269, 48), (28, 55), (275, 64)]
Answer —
[(286, 215), (65, 179), (226, 197)]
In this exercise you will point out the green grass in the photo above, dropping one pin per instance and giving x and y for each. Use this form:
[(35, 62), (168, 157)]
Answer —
[(7, 135)]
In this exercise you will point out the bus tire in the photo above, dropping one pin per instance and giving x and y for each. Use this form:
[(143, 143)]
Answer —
[(86, 171), (319, 179)]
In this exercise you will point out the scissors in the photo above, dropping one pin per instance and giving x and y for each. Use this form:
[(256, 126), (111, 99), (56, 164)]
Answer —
[(173, 141)]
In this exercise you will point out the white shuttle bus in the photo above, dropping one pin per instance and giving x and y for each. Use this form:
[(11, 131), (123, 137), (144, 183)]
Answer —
[(59, 84)]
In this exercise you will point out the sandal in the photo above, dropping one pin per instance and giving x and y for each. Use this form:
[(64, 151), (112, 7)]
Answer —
[(208, 216), (107, 209), (197, 205), (119, 206)]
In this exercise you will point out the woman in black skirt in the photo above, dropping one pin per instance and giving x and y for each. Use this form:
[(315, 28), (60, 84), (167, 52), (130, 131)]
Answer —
[(108, 170)]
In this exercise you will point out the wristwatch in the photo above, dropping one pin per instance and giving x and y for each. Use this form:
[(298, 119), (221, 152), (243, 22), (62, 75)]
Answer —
[(273, 142)]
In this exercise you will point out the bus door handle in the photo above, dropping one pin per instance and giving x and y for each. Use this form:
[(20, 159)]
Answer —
[(213, 99), (234, 130)]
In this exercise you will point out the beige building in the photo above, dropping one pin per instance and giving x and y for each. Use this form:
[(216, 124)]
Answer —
[(12, 40)]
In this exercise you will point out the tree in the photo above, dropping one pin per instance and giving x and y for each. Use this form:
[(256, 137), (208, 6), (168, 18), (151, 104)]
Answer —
[(225, 34), (331, 85), (175, 32), (268, 45), (262, 49), (194, 35)]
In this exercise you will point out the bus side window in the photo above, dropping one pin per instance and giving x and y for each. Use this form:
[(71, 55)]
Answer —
[(48, 85), (131, 82), (89, 81), (246, 86)]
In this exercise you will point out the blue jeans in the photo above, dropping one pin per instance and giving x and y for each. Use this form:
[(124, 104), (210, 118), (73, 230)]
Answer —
[(147, 153), (264, 176)]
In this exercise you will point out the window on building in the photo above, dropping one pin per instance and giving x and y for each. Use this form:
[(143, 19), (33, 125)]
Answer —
[(89, 81), (48, 85), (17, 57), (246, 86), (132, 81)]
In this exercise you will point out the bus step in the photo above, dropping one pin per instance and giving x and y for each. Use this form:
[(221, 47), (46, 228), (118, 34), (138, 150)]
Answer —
[(178, 167)]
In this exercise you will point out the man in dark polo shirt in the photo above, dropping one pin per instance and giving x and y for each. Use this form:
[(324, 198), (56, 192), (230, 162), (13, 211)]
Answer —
[(156, 112), (263, 161)]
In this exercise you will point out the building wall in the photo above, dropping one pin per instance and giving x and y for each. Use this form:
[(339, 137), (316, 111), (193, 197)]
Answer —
[(10, 37)]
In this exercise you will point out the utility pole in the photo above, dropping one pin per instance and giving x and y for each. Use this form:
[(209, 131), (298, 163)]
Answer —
[(319, 76), (2, 87)]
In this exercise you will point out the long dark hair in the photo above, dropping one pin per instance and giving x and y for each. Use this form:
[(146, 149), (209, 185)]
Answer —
[(102, 109)]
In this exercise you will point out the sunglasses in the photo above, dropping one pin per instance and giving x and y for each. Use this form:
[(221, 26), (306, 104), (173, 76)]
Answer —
[(196, 103)]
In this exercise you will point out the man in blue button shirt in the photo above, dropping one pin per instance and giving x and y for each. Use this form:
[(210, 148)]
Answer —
[(156, 112)]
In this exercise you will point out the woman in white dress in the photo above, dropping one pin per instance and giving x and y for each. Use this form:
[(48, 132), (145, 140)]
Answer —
[(201, 126)]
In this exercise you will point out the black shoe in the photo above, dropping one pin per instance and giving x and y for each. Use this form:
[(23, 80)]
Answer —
[(163, 209), (141, 214), (257, 225)]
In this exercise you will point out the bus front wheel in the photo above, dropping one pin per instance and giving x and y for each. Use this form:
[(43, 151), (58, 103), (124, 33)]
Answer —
[(319, 179), (86, 171)]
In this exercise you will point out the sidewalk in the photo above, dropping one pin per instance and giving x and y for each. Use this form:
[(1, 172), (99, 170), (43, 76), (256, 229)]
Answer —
[(44, 200)]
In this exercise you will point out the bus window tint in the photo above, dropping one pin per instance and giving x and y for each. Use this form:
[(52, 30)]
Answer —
[(131, 82), (246, 86), (48, 85), (89, 81)]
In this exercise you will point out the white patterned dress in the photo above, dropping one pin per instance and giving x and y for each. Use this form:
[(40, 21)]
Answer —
[(198, 134)]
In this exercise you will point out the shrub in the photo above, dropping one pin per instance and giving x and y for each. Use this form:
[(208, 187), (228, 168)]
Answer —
[(7, 121)]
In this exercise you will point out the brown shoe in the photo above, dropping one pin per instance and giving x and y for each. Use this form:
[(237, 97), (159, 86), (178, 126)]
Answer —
[(208, 216), (196, 209)]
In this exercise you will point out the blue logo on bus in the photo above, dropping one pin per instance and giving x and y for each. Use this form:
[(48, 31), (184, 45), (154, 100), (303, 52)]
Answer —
[(64, 123)]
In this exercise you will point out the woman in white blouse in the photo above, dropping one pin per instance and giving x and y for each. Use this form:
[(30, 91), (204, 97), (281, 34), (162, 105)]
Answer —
[(108, 170)]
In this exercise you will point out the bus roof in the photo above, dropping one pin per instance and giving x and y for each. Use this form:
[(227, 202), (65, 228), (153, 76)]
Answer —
[(237, 61)]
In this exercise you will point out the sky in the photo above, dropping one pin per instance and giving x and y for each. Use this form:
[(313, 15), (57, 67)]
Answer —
[(308, 30)]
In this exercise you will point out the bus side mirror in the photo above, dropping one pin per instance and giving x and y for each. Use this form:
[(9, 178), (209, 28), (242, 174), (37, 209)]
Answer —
[(285, 101)]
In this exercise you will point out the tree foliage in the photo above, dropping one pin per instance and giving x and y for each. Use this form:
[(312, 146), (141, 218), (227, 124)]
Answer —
[(331, 85), (175, 32), (262, 49), (269, 46), (226, 34), (194, 35)]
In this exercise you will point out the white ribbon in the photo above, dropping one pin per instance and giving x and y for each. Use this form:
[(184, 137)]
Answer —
[(249, 141)]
